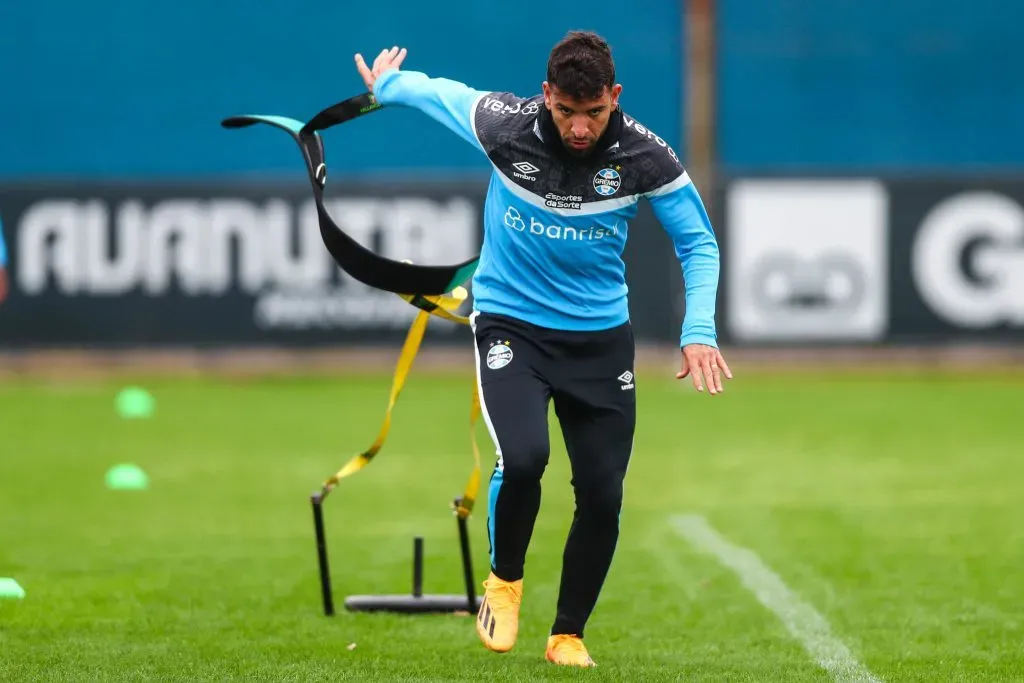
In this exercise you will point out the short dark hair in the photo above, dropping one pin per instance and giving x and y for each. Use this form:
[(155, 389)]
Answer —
[(581, 65)]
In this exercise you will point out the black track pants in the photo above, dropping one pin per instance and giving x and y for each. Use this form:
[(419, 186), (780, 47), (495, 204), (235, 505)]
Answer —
[(589, 376)]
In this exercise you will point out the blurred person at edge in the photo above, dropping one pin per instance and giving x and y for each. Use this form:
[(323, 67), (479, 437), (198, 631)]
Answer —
[(3, 265)]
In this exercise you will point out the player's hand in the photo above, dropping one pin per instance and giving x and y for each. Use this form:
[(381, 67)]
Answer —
[(386, 60), (705, 365)]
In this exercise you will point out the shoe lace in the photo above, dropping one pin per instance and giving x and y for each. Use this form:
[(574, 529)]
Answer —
[(569, 642), (503, 593)]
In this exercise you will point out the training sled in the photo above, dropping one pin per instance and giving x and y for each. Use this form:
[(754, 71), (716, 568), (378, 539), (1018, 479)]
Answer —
[(415, 602), (436, 291), (412, 603)]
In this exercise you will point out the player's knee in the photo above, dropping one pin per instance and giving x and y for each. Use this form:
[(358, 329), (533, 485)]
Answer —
[(600, 496), (525, 460)]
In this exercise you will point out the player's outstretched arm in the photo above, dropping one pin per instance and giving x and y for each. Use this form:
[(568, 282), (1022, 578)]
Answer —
[(679, 208), (449, 102)]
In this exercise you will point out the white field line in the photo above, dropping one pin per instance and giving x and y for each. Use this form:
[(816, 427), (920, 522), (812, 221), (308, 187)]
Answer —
[(801, 619)]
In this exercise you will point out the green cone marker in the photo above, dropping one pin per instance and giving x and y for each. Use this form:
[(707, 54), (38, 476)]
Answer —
[(134, 403), (127, 478), (9, 588)]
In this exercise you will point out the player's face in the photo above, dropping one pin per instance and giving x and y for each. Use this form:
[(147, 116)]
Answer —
[(581, 122)]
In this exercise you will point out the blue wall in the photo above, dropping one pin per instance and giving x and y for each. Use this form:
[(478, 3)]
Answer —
[(127, 89), (870, 84)]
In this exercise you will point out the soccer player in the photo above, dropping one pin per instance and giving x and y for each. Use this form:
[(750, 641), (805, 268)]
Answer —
[(3, 265), (550, 317)]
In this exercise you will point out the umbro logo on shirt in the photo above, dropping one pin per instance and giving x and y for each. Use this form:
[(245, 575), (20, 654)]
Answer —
[(525, 170)]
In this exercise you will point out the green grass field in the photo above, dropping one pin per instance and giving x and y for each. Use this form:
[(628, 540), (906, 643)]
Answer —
[(892, 505)]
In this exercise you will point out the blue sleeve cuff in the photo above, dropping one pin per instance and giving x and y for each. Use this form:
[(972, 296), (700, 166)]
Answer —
[(688, 339), (383, 80)]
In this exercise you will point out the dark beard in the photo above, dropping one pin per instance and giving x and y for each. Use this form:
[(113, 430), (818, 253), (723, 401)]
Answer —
[(579, 153)]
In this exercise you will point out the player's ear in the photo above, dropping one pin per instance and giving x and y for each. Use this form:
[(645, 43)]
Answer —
[(616, 91), (546, 87)]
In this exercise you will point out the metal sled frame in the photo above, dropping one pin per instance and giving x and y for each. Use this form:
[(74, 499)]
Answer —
[(414, 603)]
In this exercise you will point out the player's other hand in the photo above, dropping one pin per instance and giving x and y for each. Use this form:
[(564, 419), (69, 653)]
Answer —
[(387, 59), (705, 365)]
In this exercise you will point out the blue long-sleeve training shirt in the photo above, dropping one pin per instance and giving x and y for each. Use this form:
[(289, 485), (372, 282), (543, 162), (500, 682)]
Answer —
[(554, 226)]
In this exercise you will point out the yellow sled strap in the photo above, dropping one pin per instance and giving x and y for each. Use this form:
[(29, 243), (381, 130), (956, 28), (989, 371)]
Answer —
[(442, 306), (465, 505), (408, 354)]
